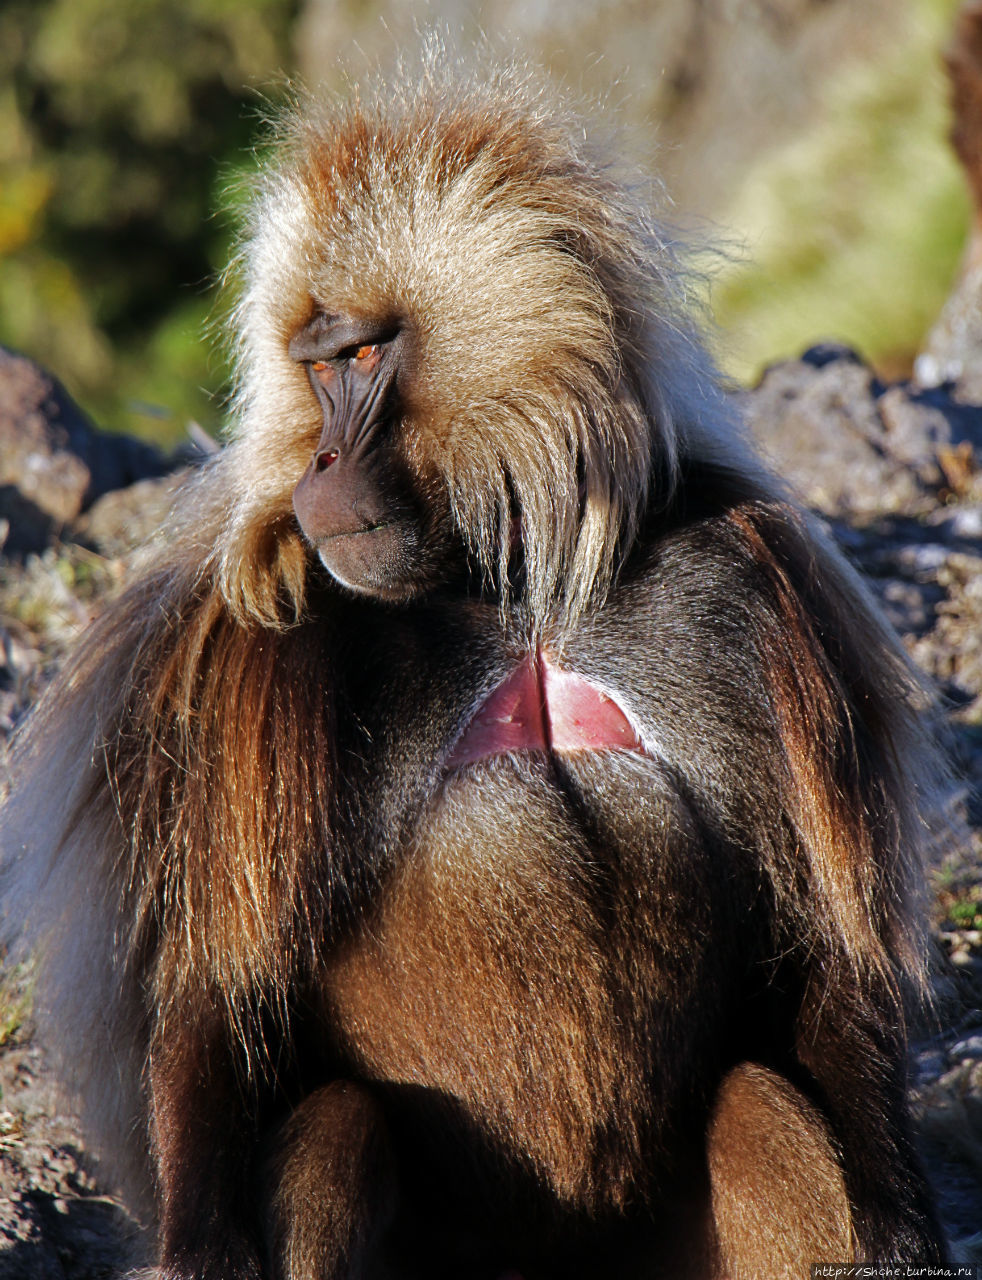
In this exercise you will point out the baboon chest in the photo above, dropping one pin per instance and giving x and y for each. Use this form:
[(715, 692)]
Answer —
[(483, 981), (521, 961), (540, 890), (484, 950)]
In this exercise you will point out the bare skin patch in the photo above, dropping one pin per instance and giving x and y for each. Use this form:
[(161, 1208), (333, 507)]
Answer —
[(541, 707)]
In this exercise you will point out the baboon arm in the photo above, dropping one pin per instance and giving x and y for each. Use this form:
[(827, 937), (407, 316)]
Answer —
[(332, 1185), (778, 1197), (858, 1063), (204, 1139)]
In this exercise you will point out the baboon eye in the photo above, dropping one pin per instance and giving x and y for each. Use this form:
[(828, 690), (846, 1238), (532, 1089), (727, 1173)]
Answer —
[(368, 355)]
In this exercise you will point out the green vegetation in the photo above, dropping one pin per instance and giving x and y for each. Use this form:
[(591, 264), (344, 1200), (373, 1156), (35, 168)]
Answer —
[(119, 123), (16, 990), (854, 231), (966, 914), (122, 122), (52, 594)]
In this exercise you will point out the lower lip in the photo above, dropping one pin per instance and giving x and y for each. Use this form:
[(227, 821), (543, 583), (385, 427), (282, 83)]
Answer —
[(356, 533)]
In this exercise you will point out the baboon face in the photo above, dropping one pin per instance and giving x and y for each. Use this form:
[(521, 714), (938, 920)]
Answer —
[(475, 321), (377, 527)]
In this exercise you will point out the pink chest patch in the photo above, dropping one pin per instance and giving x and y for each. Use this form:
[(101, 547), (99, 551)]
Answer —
[(540, 707)]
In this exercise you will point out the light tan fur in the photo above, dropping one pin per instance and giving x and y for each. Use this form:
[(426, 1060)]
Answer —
[(772, 1164)]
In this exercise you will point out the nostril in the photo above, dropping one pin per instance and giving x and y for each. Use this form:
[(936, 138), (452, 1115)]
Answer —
[(323, 460)]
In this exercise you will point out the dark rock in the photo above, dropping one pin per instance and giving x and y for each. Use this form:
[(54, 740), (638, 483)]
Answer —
[(970, 1047), (857, 450), (26, 526), (53, 462), (823, 353)]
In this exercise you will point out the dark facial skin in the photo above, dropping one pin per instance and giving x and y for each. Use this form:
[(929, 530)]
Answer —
[(356, 502)]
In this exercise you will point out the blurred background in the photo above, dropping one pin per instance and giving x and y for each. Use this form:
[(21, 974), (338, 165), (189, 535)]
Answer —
[(808, 135)]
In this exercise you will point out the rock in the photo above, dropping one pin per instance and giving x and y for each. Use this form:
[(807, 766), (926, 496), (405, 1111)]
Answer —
[(914, 432), (970, 1047), (54, 1222), (124, 518), (816, 419), (857, 450), (53, 462), (952, 353), (928, 1064), (957, 523), (909, 606), (953, 350), (951, 652)]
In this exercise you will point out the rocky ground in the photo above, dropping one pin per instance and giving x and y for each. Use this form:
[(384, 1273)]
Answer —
[(897, 473)]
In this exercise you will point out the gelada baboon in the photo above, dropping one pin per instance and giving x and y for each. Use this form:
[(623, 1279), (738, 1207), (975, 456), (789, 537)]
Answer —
[(481, 841)]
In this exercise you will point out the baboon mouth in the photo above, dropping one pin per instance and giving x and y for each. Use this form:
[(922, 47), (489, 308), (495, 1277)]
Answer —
[(380, 527), (381, 558)]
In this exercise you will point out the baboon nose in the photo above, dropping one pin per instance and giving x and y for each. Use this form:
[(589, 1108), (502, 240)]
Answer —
[(325, 458)]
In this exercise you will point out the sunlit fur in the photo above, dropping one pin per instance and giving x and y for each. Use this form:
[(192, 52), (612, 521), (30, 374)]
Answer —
[(169, 794), (590, 372)]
